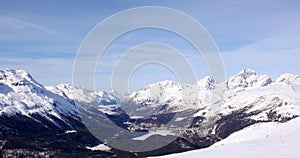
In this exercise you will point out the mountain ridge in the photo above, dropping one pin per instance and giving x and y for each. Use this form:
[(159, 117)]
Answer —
[(28, 108)]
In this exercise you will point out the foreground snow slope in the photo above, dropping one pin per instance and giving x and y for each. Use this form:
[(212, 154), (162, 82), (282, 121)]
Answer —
[(276, 140)]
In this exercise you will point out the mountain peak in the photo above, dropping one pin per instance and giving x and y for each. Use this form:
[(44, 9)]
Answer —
[(287, 78), (247, 72), (206, 83), (248, 78), (17, 77), (162, 84), (20, 93)]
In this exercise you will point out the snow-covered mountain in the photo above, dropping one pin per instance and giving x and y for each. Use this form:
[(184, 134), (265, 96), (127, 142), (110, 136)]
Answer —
[(21, 94), (248, 78), (243, 90), (83, 95), (38, 121), (23, 101), (27, 107)]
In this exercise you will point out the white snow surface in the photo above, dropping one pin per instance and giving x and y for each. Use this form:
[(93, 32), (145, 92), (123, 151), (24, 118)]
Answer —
[(70, 131), (101, 147), (264, 140)]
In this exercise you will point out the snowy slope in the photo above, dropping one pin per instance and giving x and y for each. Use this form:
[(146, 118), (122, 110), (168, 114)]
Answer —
[(264, 140), (20, 93)]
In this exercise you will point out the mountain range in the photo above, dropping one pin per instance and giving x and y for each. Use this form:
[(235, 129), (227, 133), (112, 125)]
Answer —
[(40, 121)]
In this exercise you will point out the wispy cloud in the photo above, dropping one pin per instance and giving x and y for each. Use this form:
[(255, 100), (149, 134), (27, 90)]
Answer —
[(22, 24), (274, 56), (19, 27)]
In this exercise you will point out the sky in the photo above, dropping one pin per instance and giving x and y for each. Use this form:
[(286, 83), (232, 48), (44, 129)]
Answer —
[(43, 37)]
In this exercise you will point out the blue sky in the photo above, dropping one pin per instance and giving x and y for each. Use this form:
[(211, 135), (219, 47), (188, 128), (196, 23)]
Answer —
[(43, 37)]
